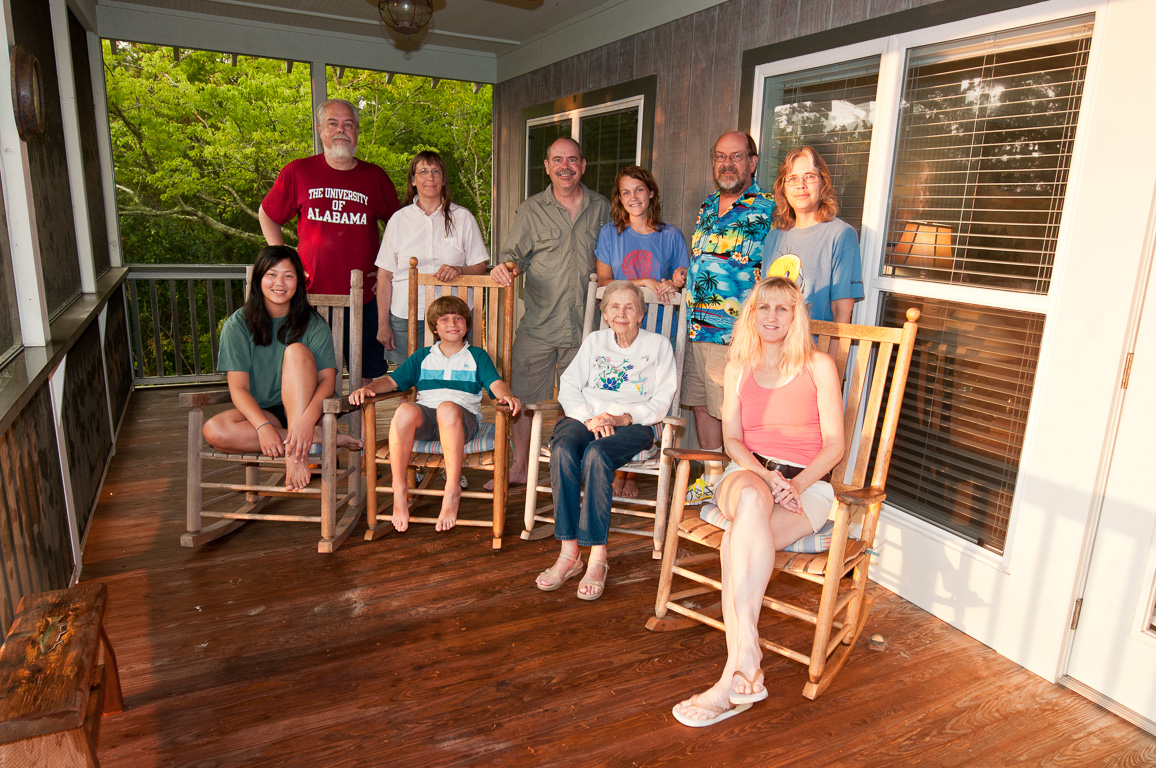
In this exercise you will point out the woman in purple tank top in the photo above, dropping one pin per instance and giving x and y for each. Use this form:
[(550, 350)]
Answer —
[(782, 419)]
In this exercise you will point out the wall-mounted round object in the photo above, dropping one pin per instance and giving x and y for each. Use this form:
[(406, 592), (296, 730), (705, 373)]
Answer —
[(27, 93)]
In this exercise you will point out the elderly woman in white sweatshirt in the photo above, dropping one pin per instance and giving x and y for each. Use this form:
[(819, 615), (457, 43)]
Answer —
[(619, 386)]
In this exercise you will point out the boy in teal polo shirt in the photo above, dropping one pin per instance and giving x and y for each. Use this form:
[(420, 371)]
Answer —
[(450, 377)]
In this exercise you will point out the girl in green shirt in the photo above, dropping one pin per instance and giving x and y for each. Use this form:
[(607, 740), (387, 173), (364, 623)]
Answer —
[(277, 354)]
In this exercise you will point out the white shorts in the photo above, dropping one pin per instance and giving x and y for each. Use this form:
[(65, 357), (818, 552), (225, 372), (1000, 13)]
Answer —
[(816, 501)]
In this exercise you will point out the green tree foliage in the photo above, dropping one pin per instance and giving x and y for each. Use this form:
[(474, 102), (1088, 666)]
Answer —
[(402, 115), (198, 142)]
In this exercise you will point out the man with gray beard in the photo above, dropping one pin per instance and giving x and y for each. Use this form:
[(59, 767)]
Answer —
[(726, 261), (340, 204)]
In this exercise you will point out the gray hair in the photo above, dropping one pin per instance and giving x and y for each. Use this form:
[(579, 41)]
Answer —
[(626, 285), (320, 114)]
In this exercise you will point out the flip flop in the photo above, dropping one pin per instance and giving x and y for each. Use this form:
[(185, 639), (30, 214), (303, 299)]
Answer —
[(555, 582), (749, 698), (598, 585), (720, 713)]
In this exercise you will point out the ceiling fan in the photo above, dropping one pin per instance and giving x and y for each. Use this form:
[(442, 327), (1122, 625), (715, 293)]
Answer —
[(408, 17)]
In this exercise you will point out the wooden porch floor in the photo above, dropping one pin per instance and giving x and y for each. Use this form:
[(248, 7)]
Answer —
[(429, 649)]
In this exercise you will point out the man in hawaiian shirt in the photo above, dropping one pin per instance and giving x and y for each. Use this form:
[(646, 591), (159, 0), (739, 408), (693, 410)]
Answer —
[(726, 258)]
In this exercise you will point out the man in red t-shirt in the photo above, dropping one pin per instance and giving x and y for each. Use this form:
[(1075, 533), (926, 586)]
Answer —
[(340, 204)]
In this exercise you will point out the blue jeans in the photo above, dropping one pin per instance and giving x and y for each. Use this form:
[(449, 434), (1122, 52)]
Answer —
[(579, 460)]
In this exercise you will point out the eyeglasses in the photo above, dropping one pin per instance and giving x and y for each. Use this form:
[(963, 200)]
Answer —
[(734, 157), (426, 173), (806, 178)]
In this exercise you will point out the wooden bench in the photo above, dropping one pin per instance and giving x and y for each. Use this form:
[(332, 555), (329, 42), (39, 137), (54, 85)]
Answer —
[(53, 687)]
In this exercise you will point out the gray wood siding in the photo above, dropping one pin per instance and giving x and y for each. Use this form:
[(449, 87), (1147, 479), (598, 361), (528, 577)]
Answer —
[(34, 543), (84, 414), (117, 359), (698, 61)]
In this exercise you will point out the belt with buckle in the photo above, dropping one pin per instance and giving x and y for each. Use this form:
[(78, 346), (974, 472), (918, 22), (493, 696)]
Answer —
[(788, 471)]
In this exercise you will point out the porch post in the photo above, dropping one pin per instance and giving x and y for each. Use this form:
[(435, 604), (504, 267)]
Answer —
[(320, 93), (69, 119), (26, 269)]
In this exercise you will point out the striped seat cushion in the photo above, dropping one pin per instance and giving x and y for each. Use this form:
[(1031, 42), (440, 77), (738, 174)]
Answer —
[(482, 442), (819, 541)]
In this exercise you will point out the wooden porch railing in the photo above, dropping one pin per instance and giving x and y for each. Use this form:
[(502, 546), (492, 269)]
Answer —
[(175, 315)]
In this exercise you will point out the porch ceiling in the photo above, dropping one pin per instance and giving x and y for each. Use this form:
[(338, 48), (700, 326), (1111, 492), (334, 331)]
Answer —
[(486, 40)]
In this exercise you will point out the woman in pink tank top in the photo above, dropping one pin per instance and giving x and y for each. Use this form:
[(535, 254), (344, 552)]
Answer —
[(782, 420)]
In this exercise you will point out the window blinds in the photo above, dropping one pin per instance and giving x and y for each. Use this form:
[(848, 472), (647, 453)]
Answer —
[(832, 109), (960, 434), (983, 151)]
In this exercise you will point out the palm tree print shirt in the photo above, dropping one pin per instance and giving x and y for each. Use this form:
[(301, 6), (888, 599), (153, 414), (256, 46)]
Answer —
[(726, 258)]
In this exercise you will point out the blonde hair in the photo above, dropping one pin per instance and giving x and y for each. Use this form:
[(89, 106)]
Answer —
[(797, 348)]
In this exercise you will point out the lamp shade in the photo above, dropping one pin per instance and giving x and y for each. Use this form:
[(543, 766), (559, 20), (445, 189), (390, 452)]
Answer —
[(923, 245), (405, 16)]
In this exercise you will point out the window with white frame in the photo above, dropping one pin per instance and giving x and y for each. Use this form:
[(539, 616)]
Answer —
[(609, 134), (613, 126), (974, 168), (830, 108)]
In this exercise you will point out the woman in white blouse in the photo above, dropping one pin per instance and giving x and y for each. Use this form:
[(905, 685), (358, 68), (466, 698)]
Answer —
[(443, 236)]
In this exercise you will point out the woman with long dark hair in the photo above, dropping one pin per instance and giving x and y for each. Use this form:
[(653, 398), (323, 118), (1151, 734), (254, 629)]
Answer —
[(444, 237), (277, 354)]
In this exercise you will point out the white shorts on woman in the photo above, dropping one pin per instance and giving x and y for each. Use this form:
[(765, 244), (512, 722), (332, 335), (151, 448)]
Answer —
[(816, 500)]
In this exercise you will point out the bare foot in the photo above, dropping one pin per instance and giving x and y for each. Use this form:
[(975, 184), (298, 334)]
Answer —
[(717, 695), (594, 580), (348, 441), (400, 509), (519, 479), (448, 517), (297, 474), (564, 568), (625, 485)]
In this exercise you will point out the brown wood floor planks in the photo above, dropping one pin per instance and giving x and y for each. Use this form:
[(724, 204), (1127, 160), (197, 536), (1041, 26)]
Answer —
[(430, 649)]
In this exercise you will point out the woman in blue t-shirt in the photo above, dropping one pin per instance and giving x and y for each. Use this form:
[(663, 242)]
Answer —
[(277, 354), (636, 245)]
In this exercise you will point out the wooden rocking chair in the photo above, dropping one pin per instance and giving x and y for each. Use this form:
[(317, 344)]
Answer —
[(492, 323), (258, 491), (838, 609), (664, 319)]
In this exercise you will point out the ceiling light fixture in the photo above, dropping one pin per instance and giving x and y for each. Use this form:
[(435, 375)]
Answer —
[(405, 16)]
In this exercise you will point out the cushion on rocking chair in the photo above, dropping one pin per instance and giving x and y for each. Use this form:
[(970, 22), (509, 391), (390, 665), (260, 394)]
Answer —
[(481, 442), (819, 541)]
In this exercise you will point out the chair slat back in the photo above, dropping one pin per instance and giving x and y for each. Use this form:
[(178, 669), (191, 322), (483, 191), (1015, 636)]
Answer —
[(873, 362), (491, 313), (667, 320), (331, 307)]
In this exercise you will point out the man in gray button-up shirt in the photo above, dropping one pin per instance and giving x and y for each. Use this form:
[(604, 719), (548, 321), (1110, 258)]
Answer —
[(552, 241)]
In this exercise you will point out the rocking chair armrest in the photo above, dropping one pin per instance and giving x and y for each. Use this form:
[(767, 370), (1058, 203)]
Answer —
[(338, 405), (674, 421), (368, 406), (861, 497), (693, 454), (201, 399), (545, 405)]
